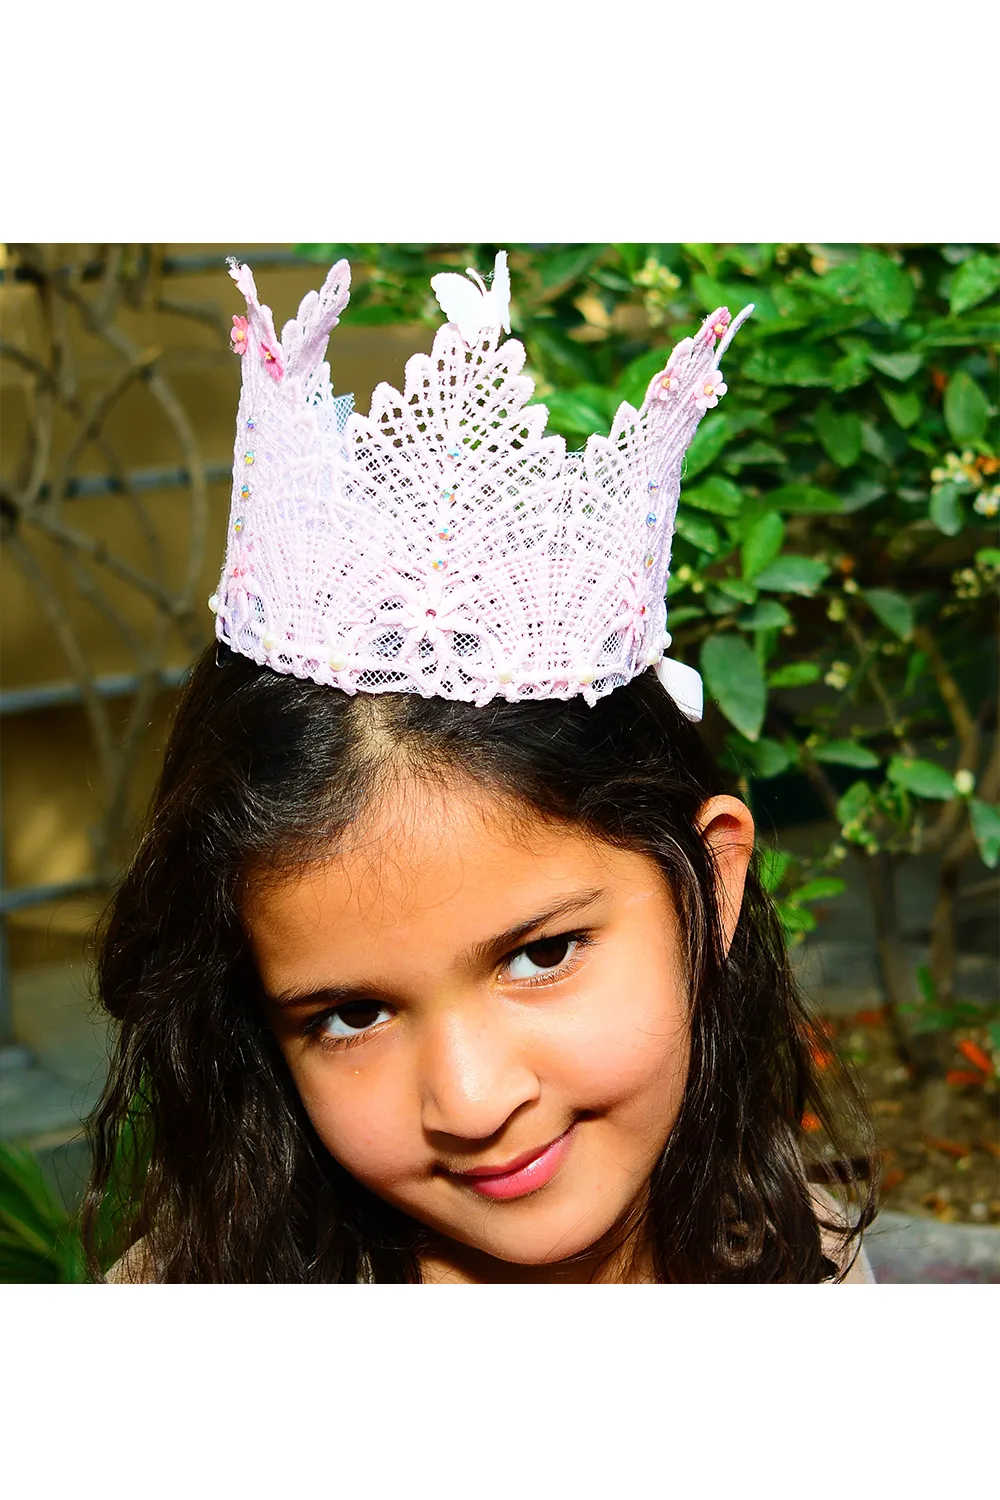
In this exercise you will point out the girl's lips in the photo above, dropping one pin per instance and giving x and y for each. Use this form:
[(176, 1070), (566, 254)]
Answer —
[(523, 1175)]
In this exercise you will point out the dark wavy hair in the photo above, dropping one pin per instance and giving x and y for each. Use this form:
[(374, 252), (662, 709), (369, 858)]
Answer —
[(200, 1136)]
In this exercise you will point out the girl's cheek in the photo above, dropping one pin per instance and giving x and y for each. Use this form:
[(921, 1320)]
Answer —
[(611, 1070), (620, 1040), (366, 1131)]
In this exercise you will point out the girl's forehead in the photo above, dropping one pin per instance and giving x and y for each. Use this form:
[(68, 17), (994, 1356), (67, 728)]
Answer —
[(435, 859), (425, 844)]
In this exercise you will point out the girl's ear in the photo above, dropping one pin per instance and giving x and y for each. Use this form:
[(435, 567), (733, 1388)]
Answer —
[(726, 826)]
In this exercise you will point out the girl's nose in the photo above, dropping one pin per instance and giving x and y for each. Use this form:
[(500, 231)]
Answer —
[(473, 1079)]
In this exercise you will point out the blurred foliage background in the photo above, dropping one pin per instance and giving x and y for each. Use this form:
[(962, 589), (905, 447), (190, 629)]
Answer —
[(835, 566)]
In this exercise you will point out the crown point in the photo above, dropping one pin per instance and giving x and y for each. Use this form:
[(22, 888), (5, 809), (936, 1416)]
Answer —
[(213, 604), (668, 640), (505, 676), (652, 656), (337, 663), (267, 642), (585, 676)]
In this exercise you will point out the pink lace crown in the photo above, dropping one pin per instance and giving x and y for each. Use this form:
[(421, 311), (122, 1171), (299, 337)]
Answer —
[(444, 544)]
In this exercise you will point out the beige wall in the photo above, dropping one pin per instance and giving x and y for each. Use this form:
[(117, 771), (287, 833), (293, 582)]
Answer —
[(50, 776)]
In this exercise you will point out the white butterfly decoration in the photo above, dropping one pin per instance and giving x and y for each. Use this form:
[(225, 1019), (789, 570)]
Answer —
[(473, 307)]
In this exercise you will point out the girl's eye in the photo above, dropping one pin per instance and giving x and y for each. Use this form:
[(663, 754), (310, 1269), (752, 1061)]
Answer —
[(353, 1019), (535, 960)]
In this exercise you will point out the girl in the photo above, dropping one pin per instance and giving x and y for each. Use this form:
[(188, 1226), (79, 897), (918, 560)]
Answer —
[(444, 956)]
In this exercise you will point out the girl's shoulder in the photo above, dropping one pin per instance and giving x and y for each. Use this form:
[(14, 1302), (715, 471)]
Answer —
[(135, 1267), (827, 1208)]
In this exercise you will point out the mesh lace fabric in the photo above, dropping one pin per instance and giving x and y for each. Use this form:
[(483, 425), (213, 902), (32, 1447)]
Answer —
[(444, 544)]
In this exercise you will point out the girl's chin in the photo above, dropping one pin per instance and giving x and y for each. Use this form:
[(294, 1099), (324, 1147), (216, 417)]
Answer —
[(545, 1244)]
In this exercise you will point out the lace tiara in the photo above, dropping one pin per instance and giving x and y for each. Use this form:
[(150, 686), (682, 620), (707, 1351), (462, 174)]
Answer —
[(444, 544)]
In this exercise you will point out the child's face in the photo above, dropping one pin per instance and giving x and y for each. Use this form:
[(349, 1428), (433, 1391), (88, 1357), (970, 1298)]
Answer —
[(458, 991)]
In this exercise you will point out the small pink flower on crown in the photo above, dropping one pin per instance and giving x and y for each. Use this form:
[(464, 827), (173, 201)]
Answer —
[(708, 391), (240, 335), (668, 384), (716, 326), (273, 359)]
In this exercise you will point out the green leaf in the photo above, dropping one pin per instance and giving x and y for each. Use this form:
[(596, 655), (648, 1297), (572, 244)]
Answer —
[(904, 406), (922, 777), (896, 366), (734, 679), (772, 864), (757, 452), (720, 496), (769, 758), (705, 255), (874, 443), (988, 557), (794, 918), (795, 674), (846, 753), (685, 613), (37, 1240), (966, 409), (706, 445), (850, 372), (915, 669), (840, 434), (886, 289), (862, 492), (974, 281), (716, 603), (821, 889), (804, 499), (763, 759), (568, 266), (762, 543), (738, 588), (853, 803), (985, 821), (580, 411), (793, 575), (767, 615), (697, 531), (946, 509), (895, 612)]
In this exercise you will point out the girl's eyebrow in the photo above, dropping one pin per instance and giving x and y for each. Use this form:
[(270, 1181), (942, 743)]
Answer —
[(329, 995), (494, 947), (482, 953)]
